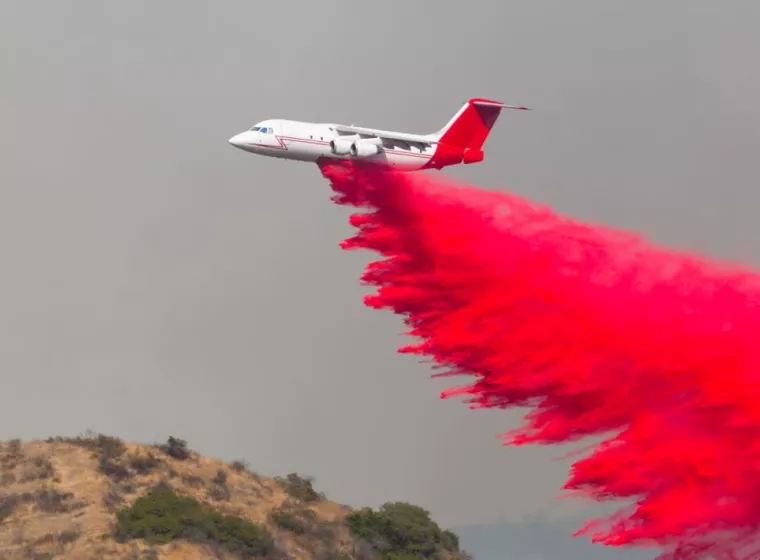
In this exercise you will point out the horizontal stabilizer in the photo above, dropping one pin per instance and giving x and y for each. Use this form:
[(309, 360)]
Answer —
[(500, 105)]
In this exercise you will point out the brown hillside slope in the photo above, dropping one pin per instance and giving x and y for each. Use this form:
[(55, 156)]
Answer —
[(62, 498)]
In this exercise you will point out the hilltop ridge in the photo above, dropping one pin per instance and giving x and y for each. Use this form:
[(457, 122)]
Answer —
[(95, 496)]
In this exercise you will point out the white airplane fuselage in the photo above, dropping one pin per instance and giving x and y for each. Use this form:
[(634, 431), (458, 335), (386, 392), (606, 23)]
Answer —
[(460, 141), (310, 142)]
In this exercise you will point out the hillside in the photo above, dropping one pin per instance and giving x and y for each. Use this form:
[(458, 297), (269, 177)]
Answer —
[(98, 497)]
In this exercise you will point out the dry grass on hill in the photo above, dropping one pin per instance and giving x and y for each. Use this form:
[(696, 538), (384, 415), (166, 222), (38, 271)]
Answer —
[(98, 497)]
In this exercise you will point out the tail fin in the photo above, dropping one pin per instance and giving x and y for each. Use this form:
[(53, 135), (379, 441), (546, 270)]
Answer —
[(469, 128)]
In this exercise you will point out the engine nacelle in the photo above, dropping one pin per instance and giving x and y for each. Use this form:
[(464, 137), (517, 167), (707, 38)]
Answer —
[(365, 148), (473, 156), (342, 146)]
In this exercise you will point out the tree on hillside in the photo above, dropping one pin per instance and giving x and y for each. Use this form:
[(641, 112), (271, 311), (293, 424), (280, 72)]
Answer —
[(402, 531)]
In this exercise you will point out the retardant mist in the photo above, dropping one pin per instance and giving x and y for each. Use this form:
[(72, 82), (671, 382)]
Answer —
[(599, 333)]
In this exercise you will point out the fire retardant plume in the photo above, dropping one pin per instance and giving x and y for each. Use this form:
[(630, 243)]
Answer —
[(598, 333)]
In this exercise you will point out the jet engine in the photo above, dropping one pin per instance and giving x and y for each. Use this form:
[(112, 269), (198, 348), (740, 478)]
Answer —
[(342, 146), (365, 148)]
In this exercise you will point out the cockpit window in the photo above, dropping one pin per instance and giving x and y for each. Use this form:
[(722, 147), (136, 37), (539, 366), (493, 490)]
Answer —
[(255, 128)]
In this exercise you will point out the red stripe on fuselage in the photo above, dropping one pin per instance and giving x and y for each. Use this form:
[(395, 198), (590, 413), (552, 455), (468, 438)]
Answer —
[(281, 141)]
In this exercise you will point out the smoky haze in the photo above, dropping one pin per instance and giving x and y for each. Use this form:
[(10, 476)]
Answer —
[(157, 281)]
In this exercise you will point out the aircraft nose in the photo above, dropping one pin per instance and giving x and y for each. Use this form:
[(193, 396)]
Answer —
[(237, 140)]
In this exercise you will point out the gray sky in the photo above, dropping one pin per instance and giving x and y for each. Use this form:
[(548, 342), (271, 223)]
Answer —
[(157, 281)]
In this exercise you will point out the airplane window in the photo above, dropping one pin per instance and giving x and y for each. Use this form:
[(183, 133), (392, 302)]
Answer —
[(255, 129)]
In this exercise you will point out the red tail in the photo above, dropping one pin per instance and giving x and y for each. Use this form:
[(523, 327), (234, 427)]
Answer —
[(471, 125), (462, 139)]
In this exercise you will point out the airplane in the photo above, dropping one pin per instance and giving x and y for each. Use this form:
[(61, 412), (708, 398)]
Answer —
[(460, 141)]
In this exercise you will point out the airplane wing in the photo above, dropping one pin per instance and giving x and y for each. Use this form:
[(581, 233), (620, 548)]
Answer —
[(425, 140), (385, 134)]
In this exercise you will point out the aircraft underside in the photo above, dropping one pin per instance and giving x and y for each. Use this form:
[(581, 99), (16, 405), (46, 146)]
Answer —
[(314, 150)]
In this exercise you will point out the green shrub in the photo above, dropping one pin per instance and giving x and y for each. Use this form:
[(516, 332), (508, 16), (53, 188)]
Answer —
[(108, 450), (401, 531), (50, 500), (450, 541), (300, 487), (287, 521), (161, 517), (239, 466), (220, 478), (144, 464), (219, 490), (176, 448), (102, 444), (112, 467)]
